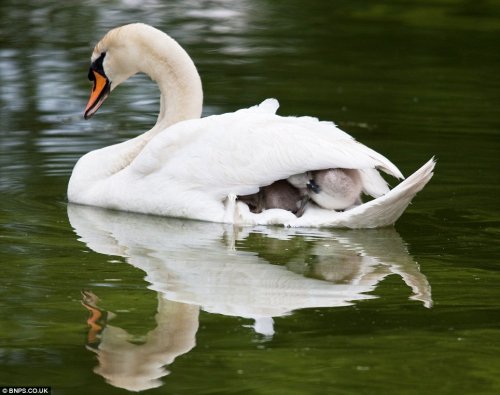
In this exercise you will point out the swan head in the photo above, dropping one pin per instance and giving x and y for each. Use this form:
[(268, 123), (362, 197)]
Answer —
[(137, 47), (115, 59), (101, 89)]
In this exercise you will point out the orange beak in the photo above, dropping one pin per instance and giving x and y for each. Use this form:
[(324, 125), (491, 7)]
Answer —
[(99, 93)]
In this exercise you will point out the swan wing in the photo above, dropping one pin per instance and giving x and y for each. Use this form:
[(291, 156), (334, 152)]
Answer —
[(241, 151)]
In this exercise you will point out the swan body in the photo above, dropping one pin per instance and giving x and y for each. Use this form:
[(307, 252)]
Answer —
[(193, 167)]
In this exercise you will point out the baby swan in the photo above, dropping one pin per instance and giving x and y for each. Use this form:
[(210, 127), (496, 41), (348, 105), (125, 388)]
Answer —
[(280, 194), (332, 189), (339, 189)]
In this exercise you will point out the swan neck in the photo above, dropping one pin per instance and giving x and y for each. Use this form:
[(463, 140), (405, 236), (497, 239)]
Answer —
[(178, 80)]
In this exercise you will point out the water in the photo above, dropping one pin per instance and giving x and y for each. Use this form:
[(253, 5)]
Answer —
[(101, 302)]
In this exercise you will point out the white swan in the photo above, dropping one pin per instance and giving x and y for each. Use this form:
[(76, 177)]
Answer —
[(195, 168)]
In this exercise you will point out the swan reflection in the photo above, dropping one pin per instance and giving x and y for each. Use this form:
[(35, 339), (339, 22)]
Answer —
[(256, 273)]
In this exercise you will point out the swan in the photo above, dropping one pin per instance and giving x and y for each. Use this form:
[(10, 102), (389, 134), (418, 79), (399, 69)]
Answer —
[(192, 167)]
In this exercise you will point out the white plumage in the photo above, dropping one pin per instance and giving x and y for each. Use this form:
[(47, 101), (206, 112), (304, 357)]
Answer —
[(194, 167)]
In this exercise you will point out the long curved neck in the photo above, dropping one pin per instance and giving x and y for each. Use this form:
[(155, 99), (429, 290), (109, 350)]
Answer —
[(167, 63)]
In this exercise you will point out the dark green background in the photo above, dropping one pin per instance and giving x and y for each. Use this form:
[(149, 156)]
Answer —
[(409, 79)]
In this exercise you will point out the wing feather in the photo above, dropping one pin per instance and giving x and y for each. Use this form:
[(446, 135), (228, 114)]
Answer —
[(242, 151)]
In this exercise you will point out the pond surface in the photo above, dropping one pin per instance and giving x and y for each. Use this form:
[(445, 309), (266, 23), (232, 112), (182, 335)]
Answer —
[(103, 302)]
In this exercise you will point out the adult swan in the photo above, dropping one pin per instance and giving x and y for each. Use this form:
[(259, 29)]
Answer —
[(200, 168)]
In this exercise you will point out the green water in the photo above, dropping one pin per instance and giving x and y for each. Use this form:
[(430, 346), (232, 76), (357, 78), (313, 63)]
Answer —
[(196, 308)]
